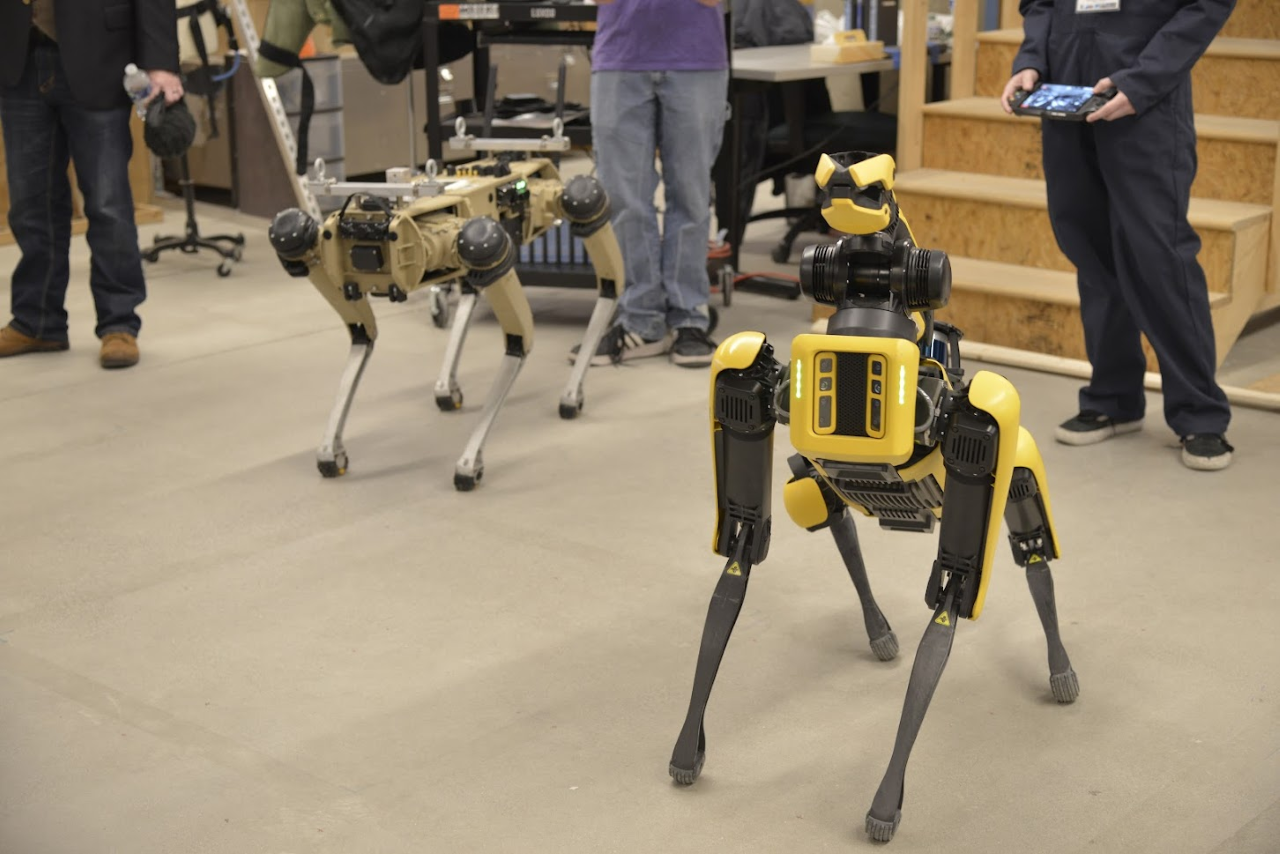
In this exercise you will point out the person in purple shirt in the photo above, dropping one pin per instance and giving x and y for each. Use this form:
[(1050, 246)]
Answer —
[(659, 88)]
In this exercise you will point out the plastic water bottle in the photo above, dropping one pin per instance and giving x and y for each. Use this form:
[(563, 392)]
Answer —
[(138, 85)]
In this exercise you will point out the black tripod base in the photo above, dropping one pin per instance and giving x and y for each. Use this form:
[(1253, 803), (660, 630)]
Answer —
[(193, 243)]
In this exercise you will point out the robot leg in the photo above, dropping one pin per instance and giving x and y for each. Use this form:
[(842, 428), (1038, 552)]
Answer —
[(448, 392), (744, 379), (1034, 541), (978, 451), (931, 659), (814, 505), (294, 235), (587, 208), (489, 253)]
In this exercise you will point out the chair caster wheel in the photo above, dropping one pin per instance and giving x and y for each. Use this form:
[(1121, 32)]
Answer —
[(467, 482), (224, 270), (685, 777), (569, 411), (237, 253), (151, 257), (333, 468), (451, 403)]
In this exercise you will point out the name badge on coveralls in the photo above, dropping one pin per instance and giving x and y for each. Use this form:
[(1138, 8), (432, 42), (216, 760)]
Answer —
[(1083, 6)]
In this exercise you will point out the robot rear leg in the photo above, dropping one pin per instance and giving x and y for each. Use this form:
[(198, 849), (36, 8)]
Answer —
[(331, 458), (1031, 535), (447, 391), (813, 504)]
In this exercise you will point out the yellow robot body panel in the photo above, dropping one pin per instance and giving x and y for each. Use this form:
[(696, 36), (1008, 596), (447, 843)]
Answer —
[(853, 398), (1028, 457), (996, 396), (737, 352), (931, 466)]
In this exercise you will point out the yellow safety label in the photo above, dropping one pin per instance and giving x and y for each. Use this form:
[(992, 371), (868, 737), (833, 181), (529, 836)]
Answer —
[(733, 569), (1035, 559), (943, 619)]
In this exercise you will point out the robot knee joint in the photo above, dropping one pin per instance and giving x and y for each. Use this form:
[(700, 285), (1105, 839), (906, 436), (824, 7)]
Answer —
[(486, 249), (585, 204)]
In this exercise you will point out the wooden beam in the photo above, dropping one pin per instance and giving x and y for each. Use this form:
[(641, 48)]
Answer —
[(964, 48), (913, 66), (1010, 17)]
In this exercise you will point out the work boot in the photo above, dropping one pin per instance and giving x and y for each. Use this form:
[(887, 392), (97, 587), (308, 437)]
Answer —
[(119, 350), (14, 343)]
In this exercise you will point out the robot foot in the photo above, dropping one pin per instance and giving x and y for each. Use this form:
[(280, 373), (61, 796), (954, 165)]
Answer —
[(465, 481), (881, 830), (885, 647), (685, 777), (1065, 686), (335, 467)]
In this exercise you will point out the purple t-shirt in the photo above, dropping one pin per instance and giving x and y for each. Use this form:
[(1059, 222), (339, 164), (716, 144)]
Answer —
[(659, 35)]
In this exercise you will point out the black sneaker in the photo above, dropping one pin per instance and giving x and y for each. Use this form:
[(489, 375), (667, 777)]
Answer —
[(1206, 451), (1091, 427), (693, 348), (619, 345)]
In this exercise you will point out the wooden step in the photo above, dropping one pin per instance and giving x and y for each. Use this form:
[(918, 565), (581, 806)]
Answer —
[(1254, 19), (1235, 77), (1004, 219), (1027, 308), (1237, 157)]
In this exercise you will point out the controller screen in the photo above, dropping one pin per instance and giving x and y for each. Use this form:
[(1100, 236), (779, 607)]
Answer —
[(1064, 99)]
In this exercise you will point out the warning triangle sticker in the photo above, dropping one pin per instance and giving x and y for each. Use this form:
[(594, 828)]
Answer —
[(733, 569), (1035, 559), (943, 619)]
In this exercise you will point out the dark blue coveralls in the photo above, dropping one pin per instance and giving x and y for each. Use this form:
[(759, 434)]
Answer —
[(1118, 196)]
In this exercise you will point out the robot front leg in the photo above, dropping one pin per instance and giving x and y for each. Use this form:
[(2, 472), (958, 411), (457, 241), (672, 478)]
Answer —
[(979, 444), (931, 660), (489, 253), (1032, 536), (726, 603), (448, 392), (331, 458), (295, 236), (745, 377), (586, 206)]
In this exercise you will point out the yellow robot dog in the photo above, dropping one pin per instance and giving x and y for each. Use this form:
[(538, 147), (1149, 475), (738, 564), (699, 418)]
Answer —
[(885, 425), (392, 238)]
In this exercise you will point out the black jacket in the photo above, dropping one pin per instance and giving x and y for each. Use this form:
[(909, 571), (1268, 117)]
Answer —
[(1147, 48), (96, 40)]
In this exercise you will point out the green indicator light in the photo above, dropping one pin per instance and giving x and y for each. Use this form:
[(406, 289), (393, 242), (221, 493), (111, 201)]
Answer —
[(521, 184)]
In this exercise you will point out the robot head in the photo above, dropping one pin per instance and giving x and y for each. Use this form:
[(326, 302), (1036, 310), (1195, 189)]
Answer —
[(875, 265)]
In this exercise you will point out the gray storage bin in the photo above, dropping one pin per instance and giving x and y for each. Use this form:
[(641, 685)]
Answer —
[(326, 77), (326, 135)]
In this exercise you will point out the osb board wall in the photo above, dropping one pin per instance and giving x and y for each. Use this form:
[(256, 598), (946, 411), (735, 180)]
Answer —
[(1254, 19), (140, 182), (983, 146), (995, 66), (1237, 86), (1229, 170), (1018, 235)]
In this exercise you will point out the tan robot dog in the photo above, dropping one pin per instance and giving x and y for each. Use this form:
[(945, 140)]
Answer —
[(885, 425), (390, 239)]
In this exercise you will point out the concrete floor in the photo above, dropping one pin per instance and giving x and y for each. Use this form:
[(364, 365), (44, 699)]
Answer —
[(205, 647)]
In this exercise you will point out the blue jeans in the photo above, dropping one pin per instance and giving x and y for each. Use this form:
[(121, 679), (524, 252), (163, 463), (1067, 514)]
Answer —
[(634, 116), (43, 128)]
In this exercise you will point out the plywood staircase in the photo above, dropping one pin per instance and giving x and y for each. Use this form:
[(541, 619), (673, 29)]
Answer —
[(975, 187)]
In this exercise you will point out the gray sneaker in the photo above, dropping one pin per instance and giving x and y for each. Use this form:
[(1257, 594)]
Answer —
[(693, 348), (618, 345), (1206, 451)]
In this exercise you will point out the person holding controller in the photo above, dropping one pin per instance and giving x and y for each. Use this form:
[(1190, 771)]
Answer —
[(1119, 185)]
